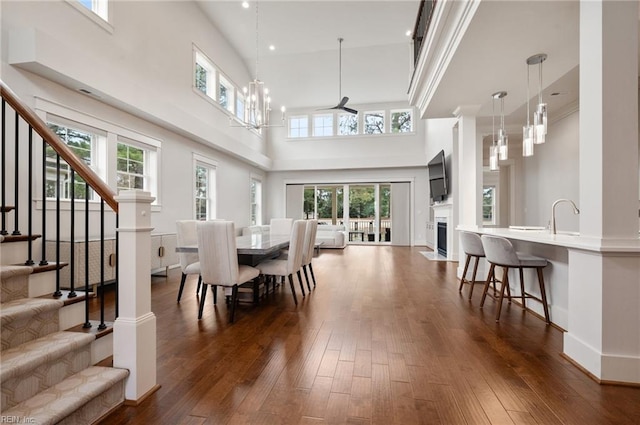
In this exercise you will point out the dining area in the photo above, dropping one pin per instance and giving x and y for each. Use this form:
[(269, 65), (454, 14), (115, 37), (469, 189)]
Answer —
[(254, 263)]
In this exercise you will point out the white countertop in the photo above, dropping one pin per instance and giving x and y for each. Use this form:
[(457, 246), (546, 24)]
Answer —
[(565, 239)]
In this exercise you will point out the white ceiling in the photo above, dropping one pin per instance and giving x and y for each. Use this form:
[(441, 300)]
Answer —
[(303, 70)]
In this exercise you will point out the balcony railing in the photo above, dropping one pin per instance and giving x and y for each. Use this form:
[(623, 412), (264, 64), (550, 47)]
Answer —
[(421, 27)]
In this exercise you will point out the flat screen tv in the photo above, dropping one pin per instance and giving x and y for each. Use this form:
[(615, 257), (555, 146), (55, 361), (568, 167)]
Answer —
[(438, 182)]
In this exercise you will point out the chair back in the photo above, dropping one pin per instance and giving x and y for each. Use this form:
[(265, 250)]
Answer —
[(309, 241), (296, 246), (471, 244), (218, 253), (500, 251), (186, 235), (281, 226)]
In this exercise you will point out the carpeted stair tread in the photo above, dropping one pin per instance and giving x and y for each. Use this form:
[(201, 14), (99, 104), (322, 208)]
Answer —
[(7, 272), (20, 360), (15, 282), (63, 399), (26, 307)]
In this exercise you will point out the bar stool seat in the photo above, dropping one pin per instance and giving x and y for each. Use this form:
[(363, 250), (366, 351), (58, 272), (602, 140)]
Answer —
[(500, 252), (472, 247)]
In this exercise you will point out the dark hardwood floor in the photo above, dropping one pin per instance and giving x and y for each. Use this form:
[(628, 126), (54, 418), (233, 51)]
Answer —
[(385, 338)]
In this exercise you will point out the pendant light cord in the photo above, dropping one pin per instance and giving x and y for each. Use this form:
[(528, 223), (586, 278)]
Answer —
[(493, 121), (540, 83), (528, 95), (257, 48), (340, 69)]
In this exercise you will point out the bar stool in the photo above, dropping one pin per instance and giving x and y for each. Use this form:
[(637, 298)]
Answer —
[(472, 247), (500, 252)]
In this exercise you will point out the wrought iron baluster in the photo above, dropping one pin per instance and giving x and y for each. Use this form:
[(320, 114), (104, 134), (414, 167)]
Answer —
[(16, 232), (87, 324), (72, 243), (29, 261), (102, 325), (58, 293), (43, 259), (3, 231)]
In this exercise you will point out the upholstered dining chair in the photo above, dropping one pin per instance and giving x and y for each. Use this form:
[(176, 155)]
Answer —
[(219, 262), (189, 264), (293, 262), (500, 252), (307, 252), (280, 226)]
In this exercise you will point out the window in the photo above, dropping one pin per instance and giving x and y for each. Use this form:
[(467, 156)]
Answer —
[(299, 126), (323, 125), (374, 122), (99, 7), (225, 94), (401, 121), (240, 106), (205, 188), (84, 145), (489, 205), (130, 169), (204, 79), (347, 124), (256, 202)]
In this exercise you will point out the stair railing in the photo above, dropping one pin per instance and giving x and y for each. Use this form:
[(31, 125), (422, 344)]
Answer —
[(76, 166)]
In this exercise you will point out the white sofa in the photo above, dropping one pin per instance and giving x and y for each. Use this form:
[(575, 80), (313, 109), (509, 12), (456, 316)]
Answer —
[(331, 236)]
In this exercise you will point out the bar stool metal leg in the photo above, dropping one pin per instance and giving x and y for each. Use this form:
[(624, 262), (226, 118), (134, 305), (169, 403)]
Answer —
[(543, 294)]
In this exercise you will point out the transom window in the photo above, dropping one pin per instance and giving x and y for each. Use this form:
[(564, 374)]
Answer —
[(99, 7), (347, 124), (401, 121), (323, 125), (226, 94), (299, 126), (374, 122), (205, 76)]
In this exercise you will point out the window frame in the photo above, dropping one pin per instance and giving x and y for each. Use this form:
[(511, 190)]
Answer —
[(324, 127), (225, 82), (493, 207), (100, 13), (257, 202), (298, 118), (399, 111), (377, 114), (347, 114), (211, 88), (211, 166)]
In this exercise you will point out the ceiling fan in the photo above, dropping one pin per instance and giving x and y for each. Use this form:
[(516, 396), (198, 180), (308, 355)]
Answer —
[(345, 99)]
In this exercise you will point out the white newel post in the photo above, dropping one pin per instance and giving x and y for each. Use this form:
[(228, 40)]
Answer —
[(134, 331)]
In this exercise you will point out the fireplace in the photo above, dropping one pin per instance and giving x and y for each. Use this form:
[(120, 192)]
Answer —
[(442, 238)]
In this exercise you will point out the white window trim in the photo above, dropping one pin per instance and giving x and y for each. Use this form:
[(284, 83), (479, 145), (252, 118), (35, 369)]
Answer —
[(400, 110), (212, 86), (104, 22), (313, 124), (107, 153), (385, 127), (259, 219), (212, 164), (297, 117)]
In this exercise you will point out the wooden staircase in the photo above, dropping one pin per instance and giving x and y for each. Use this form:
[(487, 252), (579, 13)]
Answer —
[(47, 368)]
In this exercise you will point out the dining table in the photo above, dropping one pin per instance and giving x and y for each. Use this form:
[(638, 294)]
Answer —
[(252, 248)]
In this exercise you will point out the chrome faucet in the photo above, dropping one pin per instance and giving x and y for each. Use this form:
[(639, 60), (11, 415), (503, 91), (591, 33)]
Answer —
[(553, 213)]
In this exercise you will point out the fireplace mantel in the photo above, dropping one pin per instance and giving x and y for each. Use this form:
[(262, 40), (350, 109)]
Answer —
[(443, 213)]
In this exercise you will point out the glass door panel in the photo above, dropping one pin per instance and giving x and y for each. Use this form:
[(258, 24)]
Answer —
[(384, 222), (362, 213)]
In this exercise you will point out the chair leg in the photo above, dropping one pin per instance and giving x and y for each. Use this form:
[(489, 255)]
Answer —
[(214, 289), (473, 277), (256, 289), (312, 275), (522, 293), (464, 272), (543, 294), (202, 297), (490, 277), (300, 281), (505, 284), (234, 301), (182, 280), (306, 277), (199, 284), (293, 290)]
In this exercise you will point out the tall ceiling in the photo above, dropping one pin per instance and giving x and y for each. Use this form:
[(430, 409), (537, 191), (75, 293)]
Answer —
[(303, 69)]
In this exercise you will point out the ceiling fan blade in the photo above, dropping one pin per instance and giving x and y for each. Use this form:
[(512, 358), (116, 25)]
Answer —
[(343, 102), (352, 111)]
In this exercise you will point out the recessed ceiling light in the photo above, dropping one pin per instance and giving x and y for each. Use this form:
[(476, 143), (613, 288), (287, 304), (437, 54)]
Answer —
[(408, 33), (272, 47), (245, 4)]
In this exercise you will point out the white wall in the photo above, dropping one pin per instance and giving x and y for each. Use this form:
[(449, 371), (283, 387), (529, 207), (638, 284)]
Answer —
[(552, 173), (276, 185)]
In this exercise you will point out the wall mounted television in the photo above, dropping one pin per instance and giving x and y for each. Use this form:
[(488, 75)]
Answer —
[(438, 183)]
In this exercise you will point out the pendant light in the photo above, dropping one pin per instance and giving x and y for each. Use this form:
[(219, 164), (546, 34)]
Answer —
[(540, 113), (494, 149), (527, 130), (503, 139)]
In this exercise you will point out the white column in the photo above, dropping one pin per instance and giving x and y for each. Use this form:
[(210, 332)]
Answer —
[(468, 205), (134, 331), (604, 295)]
